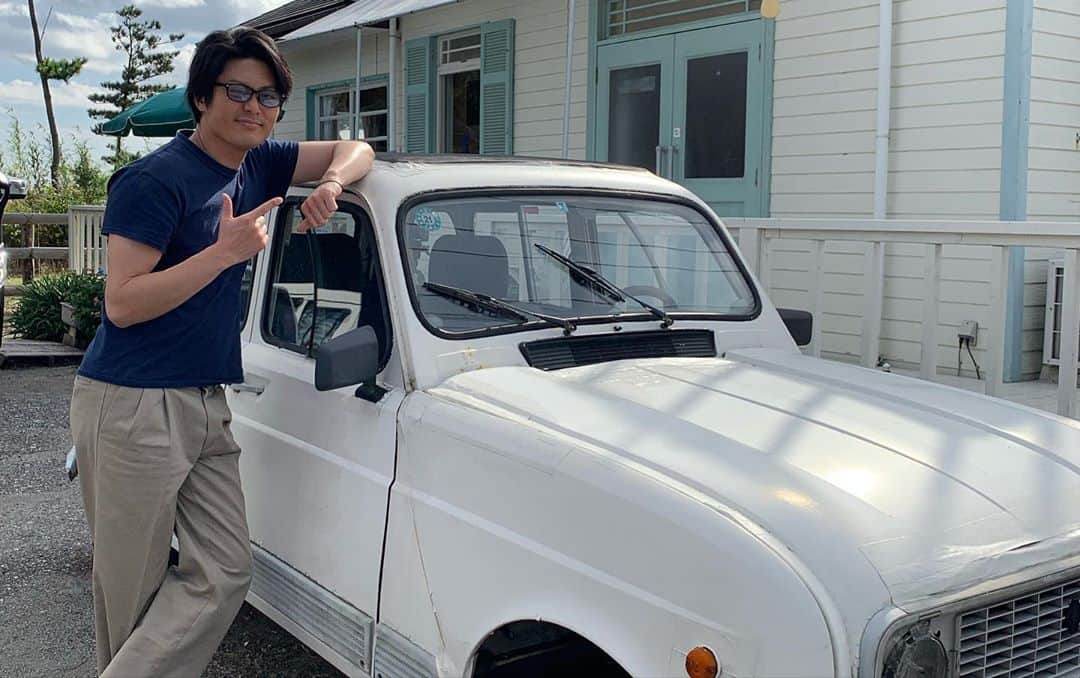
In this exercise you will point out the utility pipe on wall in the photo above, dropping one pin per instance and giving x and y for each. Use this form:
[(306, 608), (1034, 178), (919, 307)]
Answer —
[(356, 97), (884, 109), (391, 88), (571, 12)]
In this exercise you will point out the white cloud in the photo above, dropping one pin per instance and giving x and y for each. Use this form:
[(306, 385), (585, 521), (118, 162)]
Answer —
[(68, 95), (249, 9), (170, 4), (14, 9)]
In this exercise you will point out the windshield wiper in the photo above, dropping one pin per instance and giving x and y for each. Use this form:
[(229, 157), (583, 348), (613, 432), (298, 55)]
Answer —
[(598, 282), (489, 303)]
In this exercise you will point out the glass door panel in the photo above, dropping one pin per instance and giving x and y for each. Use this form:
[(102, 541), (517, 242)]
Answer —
[(633, 114)]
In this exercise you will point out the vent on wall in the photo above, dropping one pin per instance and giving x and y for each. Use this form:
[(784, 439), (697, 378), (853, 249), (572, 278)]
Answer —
[(1055, 289), (564, 352)]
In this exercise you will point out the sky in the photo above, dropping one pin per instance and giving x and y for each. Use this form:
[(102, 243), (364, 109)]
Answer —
[(82, 28)]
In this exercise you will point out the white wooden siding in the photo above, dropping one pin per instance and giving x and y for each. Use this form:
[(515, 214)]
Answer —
[(1054, 156), (539, 67), (321, 59), (944, 160)]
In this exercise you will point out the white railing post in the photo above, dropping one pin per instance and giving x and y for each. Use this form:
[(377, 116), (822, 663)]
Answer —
[(875, 289), (931, 296), (817, 298), (765, 267), (999, 285), (1070, 332), (750, 246)]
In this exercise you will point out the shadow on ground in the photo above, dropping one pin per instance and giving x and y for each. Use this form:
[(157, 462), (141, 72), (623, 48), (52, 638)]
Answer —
[(45, 600)]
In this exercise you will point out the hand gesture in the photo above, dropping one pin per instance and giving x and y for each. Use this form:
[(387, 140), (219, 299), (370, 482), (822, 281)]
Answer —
[(242, 237), (319, 206)]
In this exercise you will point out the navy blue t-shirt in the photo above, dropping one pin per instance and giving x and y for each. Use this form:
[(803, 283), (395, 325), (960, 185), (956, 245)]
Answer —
[(171, 200)]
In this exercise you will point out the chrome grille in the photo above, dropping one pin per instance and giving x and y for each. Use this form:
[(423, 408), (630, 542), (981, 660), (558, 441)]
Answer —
[(1023, 636)]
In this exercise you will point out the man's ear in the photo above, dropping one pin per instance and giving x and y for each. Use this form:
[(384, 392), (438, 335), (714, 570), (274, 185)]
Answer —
[(200, 103)]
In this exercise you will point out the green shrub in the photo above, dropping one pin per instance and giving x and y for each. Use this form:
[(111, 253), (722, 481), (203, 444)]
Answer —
[(38, 314)]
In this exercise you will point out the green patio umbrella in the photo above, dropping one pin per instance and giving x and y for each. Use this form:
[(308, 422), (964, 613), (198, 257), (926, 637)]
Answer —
[(159, 116)]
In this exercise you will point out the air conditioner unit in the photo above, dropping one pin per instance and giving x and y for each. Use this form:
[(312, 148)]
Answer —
[(1055, 286)]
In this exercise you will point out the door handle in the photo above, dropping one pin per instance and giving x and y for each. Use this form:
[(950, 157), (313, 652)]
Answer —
[(659, 161), (245, 387), (671, 161)]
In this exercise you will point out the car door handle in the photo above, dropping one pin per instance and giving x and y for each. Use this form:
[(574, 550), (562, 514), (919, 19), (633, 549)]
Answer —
[(245, 387)]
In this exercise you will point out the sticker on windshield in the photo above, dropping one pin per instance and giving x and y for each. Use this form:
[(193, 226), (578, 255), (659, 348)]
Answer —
[(427, 219), (562, 207)]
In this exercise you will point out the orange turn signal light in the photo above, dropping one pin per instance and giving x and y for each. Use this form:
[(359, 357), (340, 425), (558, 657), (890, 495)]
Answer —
[(702, 663)]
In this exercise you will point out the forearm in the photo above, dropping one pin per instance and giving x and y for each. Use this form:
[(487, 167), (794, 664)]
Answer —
[(349, 162), (147, 296)]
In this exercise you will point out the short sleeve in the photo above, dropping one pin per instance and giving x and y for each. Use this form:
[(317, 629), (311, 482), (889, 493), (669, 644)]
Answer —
[(141, 208), (274, 163)]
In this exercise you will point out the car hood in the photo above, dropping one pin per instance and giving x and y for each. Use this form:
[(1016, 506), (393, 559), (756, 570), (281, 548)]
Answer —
[(934, 488)]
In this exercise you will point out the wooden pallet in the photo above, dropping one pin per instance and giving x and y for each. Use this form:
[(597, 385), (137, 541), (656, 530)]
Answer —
[(26, 351)]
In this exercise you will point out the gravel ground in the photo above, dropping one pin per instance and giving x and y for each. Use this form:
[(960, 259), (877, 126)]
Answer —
[(46, 607)]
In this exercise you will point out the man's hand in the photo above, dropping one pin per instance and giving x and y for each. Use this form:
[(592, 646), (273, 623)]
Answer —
[(319, 206), (240, 238)]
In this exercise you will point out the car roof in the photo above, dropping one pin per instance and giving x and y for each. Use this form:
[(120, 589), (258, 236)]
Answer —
[(396, 176)]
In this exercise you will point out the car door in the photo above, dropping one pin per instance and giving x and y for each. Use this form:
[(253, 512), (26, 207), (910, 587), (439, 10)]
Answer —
[(316, 466)]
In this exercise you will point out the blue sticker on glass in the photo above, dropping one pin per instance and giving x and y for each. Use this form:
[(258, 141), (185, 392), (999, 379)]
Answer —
[(427, 219), (562, 207)]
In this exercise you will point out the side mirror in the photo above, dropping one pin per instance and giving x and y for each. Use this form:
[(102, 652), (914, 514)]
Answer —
[(799, 323), (11, 188), (348, 360)]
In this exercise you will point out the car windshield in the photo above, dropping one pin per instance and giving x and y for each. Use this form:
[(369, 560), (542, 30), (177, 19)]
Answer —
[(665, 253)]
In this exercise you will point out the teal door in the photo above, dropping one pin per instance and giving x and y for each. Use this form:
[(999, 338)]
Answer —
[(691, 108)]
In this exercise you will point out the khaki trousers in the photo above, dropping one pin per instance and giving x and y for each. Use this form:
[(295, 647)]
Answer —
[(151, 462)]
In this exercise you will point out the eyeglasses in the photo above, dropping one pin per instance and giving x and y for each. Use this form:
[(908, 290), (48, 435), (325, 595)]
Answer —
[(241, 94)]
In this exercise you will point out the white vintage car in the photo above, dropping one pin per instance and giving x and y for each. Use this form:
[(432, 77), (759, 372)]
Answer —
[(523, 418)]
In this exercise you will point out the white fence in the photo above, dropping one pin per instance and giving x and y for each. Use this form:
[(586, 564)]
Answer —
[(757, 238), (87, 247)]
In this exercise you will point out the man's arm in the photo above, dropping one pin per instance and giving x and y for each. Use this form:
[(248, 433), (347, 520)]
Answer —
[(133, 294), (335, 164)]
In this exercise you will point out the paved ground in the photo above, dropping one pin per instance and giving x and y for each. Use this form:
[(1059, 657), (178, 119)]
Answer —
[(45, 601)]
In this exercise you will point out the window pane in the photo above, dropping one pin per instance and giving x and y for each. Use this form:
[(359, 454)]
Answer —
[(463, 112), (373, 99), (332, 104), (374, 125), (246, 284), (301, 316), (461, 49), (716, 116), (634, 117), (672, 253), (336, 128), (627, 16)]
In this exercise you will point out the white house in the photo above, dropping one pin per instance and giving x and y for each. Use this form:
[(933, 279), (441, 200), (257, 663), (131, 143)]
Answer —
[(973, 114)]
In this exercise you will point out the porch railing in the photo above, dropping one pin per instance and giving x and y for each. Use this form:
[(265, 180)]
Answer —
[(87, 247), (757, 237)]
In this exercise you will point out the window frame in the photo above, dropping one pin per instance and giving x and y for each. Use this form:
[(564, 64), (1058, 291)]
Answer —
[(363, 219), (642, 316), (442, 111), (316, 92)]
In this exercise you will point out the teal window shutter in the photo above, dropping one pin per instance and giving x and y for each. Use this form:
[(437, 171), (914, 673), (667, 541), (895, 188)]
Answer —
[(497, 88), (419, 96)]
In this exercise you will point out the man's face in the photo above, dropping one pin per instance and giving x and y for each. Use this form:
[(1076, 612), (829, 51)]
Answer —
[(248, 124)]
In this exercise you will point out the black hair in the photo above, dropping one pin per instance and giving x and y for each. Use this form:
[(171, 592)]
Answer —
[(219, 48)]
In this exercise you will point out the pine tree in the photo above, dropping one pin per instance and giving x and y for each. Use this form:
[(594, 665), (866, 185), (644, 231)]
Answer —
[(140, 41), (52, 69)]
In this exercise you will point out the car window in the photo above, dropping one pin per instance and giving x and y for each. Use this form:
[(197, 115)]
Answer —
[(246, 283), (502, 247), (323, 282)]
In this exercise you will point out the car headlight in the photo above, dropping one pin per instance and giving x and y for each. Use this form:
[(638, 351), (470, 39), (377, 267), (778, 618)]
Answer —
[(916, 654)]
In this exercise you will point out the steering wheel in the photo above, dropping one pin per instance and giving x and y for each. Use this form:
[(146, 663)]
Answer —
[(652, 291)]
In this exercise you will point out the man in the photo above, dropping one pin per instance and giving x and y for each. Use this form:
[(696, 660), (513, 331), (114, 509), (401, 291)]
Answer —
[(148, 412)]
